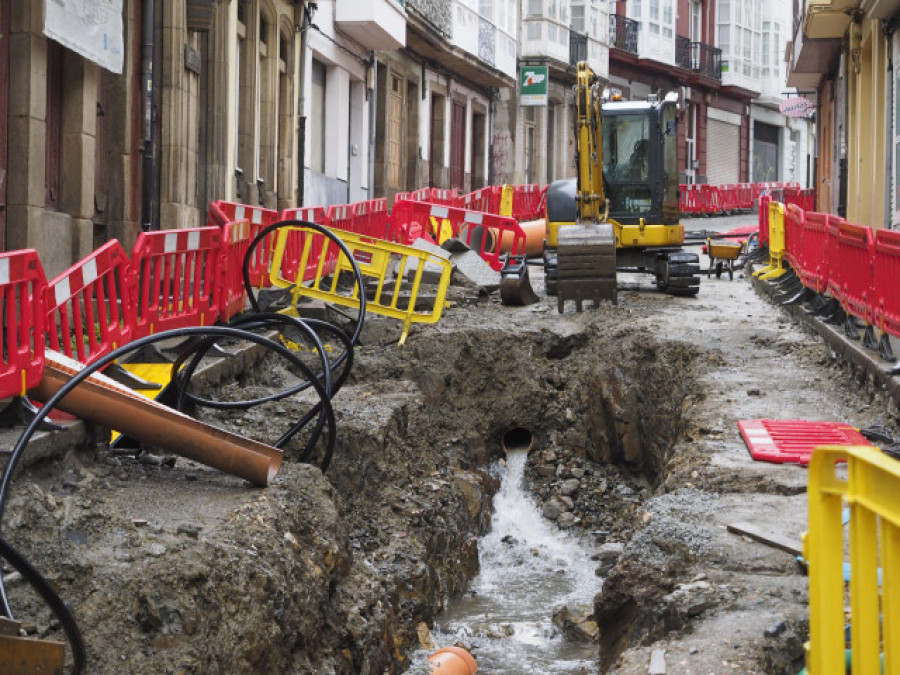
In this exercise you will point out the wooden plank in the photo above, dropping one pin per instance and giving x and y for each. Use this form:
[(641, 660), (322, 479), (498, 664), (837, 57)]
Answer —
[(792, 546), (27, 656)]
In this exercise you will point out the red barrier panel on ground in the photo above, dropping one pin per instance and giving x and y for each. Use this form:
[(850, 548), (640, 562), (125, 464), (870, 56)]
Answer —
[(491, 235), (793, 236), (90, 310), (487, 199), (236, 238), (710, 199), (793, 441), (855, 253), (886, 281), (689, 198), (527, 201), (812, 267), (22, 290), (764, 201), (177, 279)]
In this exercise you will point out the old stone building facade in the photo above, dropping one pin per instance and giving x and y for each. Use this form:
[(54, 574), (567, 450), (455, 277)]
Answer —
[(228, 99)]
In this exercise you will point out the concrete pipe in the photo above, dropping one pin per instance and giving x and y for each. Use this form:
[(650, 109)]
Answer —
[(517, 438), (452, 661), (535, 233)]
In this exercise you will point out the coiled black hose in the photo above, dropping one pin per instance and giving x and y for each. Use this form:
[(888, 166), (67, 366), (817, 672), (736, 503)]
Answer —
[(321, 229), (29, 573), (201, 340)]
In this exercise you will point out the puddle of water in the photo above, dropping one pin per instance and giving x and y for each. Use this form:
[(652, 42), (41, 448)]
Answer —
[(529, 569)]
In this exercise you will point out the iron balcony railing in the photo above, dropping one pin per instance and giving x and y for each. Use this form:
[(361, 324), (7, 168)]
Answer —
[(623, 33), (698, 57), (578, 47)]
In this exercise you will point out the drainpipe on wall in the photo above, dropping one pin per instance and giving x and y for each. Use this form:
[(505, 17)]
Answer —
[(888, 28), (305, 20), (495, 93), (372, 96), (148, 165)]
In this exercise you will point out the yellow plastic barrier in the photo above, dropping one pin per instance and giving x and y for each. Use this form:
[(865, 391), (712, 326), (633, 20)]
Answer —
[(869, 483), (775, 268), (506, 200), (383, 262)]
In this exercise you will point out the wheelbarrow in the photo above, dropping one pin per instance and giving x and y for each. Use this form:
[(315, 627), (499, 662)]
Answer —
[(723, 255)]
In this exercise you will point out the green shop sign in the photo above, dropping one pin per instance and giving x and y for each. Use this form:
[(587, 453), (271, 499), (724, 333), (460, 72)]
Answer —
[(533, 85)]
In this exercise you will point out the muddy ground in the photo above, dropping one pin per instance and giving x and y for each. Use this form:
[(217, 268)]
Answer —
[(174, 568)]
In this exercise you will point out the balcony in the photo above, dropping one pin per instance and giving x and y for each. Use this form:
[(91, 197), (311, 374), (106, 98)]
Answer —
[(543, 38), (699, 58), (483, 39), (578, 48), (375, 24), (623, 33)]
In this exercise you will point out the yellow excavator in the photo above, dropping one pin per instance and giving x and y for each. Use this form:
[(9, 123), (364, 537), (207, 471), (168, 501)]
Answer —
[(621, 211)]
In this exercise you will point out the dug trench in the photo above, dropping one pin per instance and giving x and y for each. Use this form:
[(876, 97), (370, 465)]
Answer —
[(174, 568)]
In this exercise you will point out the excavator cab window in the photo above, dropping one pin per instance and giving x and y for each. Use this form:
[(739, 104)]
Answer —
[(627, 161)]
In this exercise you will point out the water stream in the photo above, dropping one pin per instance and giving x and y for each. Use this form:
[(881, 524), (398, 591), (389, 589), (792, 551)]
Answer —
[(529, 569)]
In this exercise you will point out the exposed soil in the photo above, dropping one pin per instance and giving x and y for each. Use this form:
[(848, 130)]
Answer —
[(174, 568)]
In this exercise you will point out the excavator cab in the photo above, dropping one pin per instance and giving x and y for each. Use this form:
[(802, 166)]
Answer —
[(640, 161)]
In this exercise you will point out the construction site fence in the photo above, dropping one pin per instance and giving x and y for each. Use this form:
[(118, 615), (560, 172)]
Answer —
[(522, 202), (703, 199), (855, 265), (195, 277), (865, 482)]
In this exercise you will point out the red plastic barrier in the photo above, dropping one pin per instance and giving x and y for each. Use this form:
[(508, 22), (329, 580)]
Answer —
[(371, 217), (22, 288), (177, 279), (764, 201), (487, 199), (793, 236), (746, 196), (527, 202), (689, 201), (710, 199), (812, 268), (855, 251), (487, 233), (259, 218), (728, 195), (833, 266), (431, 195), (90, 310), (886, 281), (293, 249), (236, 237)]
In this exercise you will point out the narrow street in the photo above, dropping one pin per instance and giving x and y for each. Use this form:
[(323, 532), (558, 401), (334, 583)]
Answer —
[(632, 411)]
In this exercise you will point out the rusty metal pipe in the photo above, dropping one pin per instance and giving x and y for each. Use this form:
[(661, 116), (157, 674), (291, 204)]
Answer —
[(105, 401), (198, 331)]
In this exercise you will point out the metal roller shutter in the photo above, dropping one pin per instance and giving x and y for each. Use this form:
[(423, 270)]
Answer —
[(723, 152)]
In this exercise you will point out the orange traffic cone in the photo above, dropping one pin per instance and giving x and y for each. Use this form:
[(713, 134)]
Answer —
[(453, 661)]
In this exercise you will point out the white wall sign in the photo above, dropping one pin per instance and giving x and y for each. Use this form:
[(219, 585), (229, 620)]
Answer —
[(92, 28)]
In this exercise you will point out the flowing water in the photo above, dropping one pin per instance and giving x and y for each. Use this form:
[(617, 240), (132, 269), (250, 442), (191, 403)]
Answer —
[(529, 569)]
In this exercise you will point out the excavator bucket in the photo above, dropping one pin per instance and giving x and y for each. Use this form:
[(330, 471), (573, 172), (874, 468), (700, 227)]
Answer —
[(586, 264), (515, 285)]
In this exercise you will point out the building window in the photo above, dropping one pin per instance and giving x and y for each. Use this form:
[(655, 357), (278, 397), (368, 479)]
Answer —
[(535, 7), (317, 118)]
